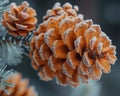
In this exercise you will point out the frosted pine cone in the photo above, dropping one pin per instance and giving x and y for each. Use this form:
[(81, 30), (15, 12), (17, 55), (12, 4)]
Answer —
[(71, 48), (21, 87), (20, 20)]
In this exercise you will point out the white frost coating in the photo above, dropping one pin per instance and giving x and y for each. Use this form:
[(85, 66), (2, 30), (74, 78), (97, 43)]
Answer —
[(66, 33), (78, 19), (90, 22), (54, 48), (49, 13), (77, 43), (69, 61), (98, 64), (92, 42), (24, 15), (79, 25), (71, 11), (43, 24), (25, 3), (59, 82), (57, 4), (81, 16), (36, 40), (98, 27), (79, 70), (76, 8), (41, 52), (85, 60), (19, 26), (50, 63), (10, 54), (103, 34), (111, 60), (96, 77), (64, 70), (99, 47), (89, 30), (61, 12), (45, 75), (47, 35), (114, 48), (12, 5), (49, 20), (63, 21), (67, 5), (85, 73), (13, 18), (34, 58), (72, 82), (10, 27)]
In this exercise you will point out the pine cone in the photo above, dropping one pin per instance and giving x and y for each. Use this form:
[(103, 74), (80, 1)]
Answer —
[(20, 20), (70, 48), (21, 87)]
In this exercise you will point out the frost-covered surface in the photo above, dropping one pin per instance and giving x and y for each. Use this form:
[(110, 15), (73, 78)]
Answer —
[(3, 32), (10, 54), (3, 7), (5, 75)]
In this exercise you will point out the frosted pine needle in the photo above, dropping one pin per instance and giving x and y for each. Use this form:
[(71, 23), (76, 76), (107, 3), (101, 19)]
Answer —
[(10, 54), (3, 7), (5, 75)]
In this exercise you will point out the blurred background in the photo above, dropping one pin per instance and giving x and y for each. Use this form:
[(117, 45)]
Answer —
[(103, 12)]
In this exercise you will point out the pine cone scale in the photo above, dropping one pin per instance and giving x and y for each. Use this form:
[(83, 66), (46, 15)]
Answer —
[(72, 59), (50, 36), (9, 26), (31, 12), (67, 70), (30, 20), (39, 40), (55, 64), (7, 17), (37, 59), (44, 52)]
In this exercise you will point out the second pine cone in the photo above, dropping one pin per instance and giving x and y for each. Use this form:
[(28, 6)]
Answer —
[(20, 20)]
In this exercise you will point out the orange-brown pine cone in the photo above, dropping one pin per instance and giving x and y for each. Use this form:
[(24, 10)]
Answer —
[(20, 20), (21, 87), (68, 47)]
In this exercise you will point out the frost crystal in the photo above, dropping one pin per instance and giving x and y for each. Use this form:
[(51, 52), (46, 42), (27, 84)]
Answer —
[(4, 76)]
